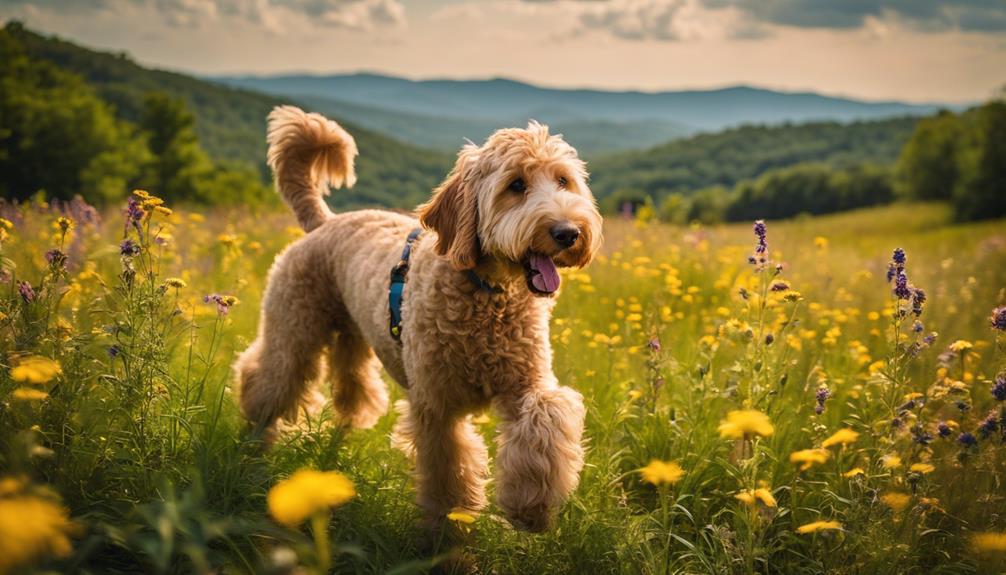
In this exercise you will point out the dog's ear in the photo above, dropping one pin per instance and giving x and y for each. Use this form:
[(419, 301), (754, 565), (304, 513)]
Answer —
[(453, 214)]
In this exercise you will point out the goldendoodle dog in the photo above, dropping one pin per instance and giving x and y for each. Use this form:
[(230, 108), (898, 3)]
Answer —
[(474, 314)]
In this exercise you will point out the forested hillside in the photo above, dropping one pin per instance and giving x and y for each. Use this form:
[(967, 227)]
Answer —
[(729, 157), (229, 123)]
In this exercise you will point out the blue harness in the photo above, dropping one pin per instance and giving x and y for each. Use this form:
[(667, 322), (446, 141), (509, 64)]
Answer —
[(396, 290)]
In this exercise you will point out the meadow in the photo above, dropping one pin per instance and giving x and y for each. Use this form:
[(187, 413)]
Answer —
[(752, 407)]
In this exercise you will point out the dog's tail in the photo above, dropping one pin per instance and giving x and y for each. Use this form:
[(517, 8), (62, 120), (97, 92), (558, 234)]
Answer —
[(307, 154)]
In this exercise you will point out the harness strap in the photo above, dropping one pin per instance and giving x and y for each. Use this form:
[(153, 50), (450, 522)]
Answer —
[(397, 286)]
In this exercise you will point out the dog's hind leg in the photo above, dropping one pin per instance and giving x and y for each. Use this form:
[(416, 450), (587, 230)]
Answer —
[(358, 393), (276, 373)]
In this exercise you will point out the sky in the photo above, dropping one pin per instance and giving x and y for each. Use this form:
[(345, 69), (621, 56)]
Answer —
[(949, 51)]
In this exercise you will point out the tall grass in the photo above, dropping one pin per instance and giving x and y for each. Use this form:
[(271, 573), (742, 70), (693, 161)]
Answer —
[(669, 331)]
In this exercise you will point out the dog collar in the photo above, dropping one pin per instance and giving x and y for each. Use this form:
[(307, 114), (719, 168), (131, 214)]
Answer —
[(481, 283), (397, 286)]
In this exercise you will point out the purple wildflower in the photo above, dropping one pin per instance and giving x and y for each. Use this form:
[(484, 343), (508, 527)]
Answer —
[(917, 327), (780, 286), (26, 291), (223, 302), (929, 339), (943, 429), (769, 339), (922, 437), (760, 231), (998, 319), (822, 395), (134, 213), (654, 344), (967, 440), (113, 351), (901, 288), (55, 258), (918, 300), (999, 387), (899, 257), (129, 248), (989, 425)]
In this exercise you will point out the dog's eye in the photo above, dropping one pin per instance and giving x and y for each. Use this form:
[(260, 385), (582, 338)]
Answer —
[(517, 186), (562, 181)]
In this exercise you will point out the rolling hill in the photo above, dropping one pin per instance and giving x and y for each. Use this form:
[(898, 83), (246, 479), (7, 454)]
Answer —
[(439, 113), (230, 122)]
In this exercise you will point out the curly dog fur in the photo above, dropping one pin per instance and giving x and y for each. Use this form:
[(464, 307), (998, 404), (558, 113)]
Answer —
[(501, 211)]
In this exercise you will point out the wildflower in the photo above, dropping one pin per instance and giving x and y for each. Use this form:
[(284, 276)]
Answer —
[(56, 259), (6, 225), (35, 369), (890, 461), (819, 526), (32, 528), (744, 424), (134, 213), (760, 232), (662, 472), (854, 472), (998, 318), (822, 395), (306, 493), (753, 496), (176, 283), (65, 224), (809, 457), (779, 286), (461, 516), (26, 292), (28, 394), (943, 429), (654, 344), (129, 248), (989, 541), (989, 425), (224, 302), (769, 339), (967, 440), (922, 468), (918, 300), (841, 437), (961, 345), (999, 386), (896, 501)]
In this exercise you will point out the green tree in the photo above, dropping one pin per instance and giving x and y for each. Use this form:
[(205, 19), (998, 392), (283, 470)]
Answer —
[(980, 192), (927, 167), (179, 165)]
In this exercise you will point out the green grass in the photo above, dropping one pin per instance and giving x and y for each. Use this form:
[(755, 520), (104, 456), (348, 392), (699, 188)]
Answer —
[(147, 452)]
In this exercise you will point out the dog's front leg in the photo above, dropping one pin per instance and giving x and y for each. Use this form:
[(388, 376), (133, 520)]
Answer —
[(540, 455)]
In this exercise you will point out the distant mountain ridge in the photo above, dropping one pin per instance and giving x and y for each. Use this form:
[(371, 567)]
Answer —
[(437, 112)]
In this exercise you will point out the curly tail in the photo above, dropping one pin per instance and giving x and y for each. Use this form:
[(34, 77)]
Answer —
[(307, 154)]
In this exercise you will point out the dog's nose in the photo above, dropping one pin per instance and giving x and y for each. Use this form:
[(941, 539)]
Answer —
[(565, 234)]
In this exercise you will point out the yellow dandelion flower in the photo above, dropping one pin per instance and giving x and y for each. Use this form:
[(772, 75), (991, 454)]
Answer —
[(747, 497), (29, 394), (661, 472), (961, 345), (461, 516), (854, 472), (635, 394), (896, 501), (819, 526), (922, 468), (32, 528), (745, 423), (64, 224), (35, 369), (307, 492), (753, 496), (989, 542), (821, 242), (841, 437), (809, 457), (6, 225), (890, 461)]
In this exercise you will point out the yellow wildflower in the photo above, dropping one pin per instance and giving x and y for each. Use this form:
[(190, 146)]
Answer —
[(961, 345), (64, 224), (32, 528), (809, 457), (35, 369), (307, 492), (461, 516), (745, 423), (753, 496), (890, 461), (841, 437), (142, 194), (989, 542), (29, 394), (922, 468), (896, 501), (176, 283), (635, 394), (661, 472), (854, 472), (821, 242), (819, 526)]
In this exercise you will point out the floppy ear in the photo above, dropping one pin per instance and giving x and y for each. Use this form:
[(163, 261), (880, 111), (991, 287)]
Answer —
[(452, 213)]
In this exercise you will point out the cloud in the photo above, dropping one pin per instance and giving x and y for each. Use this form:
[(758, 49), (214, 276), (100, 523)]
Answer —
[(274, 15)]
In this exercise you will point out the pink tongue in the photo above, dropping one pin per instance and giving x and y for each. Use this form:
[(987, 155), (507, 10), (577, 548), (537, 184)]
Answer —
[(547, 277)]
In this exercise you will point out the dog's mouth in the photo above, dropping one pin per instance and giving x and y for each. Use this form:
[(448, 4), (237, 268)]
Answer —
[(541, 274)]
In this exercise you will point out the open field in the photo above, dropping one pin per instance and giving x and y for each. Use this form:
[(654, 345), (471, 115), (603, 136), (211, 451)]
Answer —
[(669, 331)]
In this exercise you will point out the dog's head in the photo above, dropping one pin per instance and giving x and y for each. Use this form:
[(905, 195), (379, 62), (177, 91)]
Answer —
[(522, 198)]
